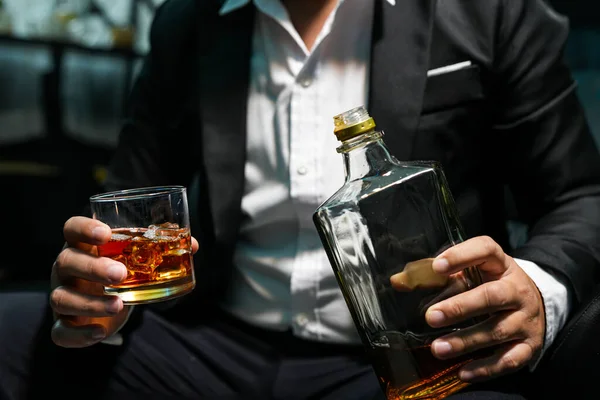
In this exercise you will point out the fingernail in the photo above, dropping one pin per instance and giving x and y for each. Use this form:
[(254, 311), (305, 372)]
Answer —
[(100, 232), (116, 272), (440, 264), (98, 334), (113, 307), (442, 348), (466, 375), (436, 317)]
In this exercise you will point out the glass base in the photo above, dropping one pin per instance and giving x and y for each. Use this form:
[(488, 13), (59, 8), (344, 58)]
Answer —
[(153, 293)]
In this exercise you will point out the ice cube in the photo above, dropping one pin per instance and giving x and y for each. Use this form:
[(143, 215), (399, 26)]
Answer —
[(176, 252), (172, 273), (165, 232), (150, 233), (165, 225), (119, 237), (144, 258)]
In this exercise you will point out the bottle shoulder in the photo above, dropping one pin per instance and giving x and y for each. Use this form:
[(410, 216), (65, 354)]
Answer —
[(353, 191)]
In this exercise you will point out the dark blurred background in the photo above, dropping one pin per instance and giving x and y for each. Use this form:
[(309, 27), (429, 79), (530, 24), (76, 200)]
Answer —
[(66, 67)]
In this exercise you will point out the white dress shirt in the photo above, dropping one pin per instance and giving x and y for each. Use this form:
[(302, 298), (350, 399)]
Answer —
[(282, 277)]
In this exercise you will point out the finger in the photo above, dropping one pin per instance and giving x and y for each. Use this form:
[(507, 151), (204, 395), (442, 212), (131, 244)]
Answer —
[(506, 360), (481, 251), (75, 263), (487, 298), (67, 335), (499, 329), (67, 301), (195, 245), (455, 287), (86, 230)]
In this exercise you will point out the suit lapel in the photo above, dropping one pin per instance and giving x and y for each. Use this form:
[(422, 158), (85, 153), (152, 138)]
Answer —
[(399, 63), (225, 50)]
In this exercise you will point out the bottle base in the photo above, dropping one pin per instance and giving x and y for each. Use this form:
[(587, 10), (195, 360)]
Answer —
[(437, 387)]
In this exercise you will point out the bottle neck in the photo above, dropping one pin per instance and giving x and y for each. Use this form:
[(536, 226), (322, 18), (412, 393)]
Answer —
[(365, 155)]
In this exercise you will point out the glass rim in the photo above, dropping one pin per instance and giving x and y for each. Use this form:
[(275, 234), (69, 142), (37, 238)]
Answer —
[(141, 193)]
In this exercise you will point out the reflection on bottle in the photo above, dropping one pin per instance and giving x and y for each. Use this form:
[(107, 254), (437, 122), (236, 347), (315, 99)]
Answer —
[(352, 233), (416, 275)]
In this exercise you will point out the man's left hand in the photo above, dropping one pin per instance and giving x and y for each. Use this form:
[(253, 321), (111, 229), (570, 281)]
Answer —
[(516, 325)]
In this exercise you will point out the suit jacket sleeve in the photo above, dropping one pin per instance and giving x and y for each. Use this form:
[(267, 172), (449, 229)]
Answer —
[(548, 153), (156, 141)]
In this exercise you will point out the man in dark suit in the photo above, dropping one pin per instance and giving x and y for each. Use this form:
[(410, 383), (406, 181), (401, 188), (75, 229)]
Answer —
[(233, 101)]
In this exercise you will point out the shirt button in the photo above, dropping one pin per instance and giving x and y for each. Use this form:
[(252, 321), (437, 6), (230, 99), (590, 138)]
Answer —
[(301, 320), (302, 170), (306, 82)]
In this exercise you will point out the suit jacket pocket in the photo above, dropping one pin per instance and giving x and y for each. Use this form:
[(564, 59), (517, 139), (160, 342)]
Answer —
[(453, 89)]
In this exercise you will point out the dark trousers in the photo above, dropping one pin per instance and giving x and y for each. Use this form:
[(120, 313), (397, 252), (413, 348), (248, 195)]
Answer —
[(216, 358)]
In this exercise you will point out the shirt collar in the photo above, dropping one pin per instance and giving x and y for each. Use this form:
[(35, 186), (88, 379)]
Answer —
[(232, 5)]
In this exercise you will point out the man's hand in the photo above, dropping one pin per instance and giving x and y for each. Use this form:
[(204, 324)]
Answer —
[(84, 314), (517, 320)]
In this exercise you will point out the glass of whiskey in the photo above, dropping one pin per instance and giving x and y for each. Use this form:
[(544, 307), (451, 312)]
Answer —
[(151, 237)]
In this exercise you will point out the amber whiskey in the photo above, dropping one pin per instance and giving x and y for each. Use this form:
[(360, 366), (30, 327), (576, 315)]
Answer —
[(158, 260)]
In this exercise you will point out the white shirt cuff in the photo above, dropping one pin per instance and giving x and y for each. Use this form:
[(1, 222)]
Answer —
[(556, 302), (116, 339)]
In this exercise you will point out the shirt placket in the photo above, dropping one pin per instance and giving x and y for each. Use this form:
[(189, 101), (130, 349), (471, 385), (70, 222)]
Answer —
[(303, 170), (304, 151)]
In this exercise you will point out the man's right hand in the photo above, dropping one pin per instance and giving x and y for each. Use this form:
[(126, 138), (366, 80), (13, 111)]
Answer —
[(84, 314)]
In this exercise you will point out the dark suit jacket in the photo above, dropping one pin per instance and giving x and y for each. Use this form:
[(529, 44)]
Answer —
[(511, 120)]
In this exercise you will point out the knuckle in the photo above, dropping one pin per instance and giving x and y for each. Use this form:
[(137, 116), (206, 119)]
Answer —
[(63, 259), (509, 363), (499, 333), (533, 347), (529, 297), (525, 292), (496, 295), (463, 344), (55, 266), (470, 343), (59, 335), (89, 268), (56, 336), (532, 317), (86, 307), (456, 309), (68, 224), (488, 244), (485, 372), (57, 299)]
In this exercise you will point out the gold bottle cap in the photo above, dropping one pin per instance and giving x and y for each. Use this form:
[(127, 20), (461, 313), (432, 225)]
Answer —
[(352, 123)]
